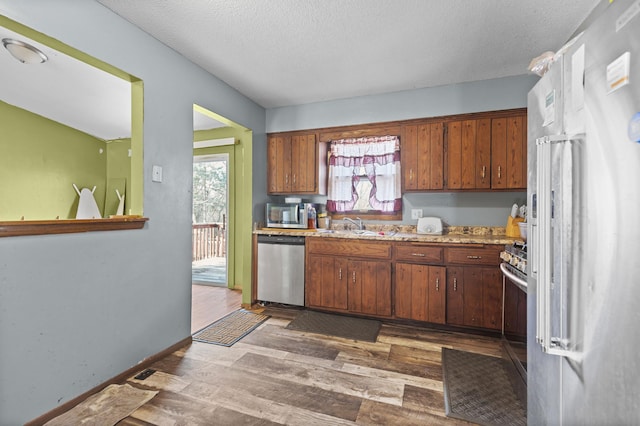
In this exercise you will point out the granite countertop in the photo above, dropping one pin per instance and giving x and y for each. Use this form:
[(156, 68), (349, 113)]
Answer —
[(407, 233)]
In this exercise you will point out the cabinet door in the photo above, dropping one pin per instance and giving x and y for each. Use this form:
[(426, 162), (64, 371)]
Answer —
[(369, 287), (326, 282), (455, 300), (303, 164), (472, 297), (469, 151), (491, 298), (412, 291), (420, 292), (454, 155), (437, 294), (279, 164), (483, 154), (423, 156), (509, 152)]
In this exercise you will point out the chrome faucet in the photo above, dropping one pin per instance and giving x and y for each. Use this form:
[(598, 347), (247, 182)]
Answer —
[(359, 223)]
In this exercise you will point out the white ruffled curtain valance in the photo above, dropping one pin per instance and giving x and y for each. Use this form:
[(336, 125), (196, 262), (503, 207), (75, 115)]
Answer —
[(380, 157)]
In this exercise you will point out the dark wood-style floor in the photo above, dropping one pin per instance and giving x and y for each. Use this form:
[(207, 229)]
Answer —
[(210, 303), (280, 376)]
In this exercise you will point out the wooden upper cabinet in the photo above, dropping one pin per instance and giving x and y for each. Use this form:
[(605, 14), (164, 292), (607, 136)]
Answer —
[(304, 163), (422, 153), (509, 152), (293, 165), (469, 154)]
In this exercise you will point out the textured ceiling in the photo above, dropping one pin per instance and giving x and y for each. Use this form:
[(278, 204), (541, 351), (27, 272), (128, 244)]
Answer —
[(290, 52)]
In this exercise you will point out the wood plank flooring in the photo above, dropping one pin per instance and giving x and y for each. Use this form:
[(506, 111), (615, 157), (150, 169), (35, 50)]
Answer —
[(279, 376), (210, 303)]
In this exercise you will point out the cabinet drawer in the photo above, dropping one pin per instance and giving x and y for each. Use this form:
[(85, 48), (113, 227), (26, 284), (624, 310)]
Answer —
[(474, 255), (349, 247), (420, 254)]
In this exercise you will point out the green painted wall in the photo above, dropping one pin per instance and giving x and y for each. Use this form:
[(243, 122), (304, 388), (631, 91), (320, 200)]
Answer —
[(240, 204), (118, 168), (40, 159)]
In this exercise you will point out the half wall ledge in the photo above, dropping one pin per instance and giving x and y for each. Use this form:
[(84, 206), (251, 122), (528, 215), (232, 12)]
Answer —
[(69, 226)]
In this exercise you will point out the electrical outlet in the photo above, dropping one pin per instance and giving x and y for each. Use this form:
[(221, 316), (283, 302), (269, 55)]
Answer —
[(416, 213)]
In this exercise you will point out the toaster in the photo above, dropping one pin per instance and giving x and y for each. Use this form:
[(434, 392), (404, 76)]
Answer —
[(429, 225)]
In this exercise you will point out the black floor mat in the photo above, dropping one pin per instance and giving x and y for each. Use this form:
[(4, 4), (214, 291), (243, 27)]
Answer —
[(477, 388), (336, 325)]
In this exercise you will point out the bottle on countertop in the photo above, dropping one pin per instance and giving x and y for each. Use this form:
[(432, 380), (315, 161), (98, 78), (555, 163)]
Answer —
[(311, 218)]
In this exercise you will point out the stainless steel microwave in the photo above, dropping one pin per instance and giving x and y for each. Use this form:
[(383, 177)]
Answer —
[(286, 215)]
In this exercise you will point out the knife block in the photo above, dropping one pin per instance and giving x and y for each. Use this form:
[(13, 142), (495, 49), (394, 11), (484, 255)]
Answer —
[(512, 227)]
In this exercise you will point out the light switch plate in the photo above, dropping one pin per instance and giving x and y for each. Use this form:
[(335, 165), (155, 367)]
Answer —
[(156, 174), (416, 213)]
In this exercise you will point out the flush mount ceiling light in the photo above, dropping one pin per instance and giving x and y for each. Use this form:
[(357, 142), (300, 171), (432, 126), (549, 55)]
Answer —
[(24, 52)]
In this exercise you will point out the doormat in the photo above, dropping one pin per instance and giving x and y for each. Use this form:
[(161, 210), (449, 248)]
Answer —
[(231, 328), (336, 325), (106, 408), (477, 389)]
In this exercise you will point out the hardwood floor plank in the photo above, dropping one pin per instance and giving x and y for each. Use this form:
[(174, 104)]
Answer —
[(377, 413), (390, 377), (412, 355), (169, 408), (281, 391), (253, 406), (300, 346), (324, 378), (424, 400), (429, 371)]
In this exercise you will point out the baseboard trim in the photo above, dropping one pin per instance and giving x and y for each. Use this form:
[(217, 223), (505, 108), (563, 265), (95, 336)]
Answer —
[(145, 363)]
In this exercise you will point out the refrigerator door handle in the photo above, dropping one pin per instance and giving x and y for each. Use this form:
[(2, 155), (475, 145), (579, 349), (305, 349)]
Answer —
[(549, 243)]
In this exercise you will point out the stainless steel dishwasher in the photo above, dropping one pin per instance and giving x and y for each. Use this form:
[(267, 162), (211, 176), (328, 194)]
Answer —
[(281, 269)]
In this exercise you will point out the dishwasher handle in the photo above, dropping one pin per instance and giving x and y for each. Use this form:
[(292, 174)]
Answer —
[(281, 239)]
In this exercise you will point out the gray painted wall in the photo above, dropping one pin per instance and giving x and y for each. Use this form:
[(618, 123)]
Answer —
[(78, 309), (488, 209)]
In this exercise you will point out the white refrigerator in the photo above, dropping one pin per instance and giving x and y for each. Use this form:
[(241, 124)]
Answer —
[(583, 337)]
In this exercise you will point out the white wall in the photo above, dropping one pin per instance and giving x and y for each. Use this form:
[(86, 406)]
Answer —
[(78, 309), (487, 209)]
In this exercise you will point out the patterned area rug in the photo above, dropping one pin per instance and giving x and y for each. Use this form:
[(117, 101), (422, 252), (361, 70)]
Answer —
[(477, 388), (336, 325), (108, 407), (231, 328)]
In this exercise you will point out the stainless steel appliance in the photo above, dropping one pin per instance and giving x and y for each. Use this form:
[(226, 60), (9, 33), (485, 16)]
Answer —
[(514, 309), (583, 229), (281, 269), (287, 215)]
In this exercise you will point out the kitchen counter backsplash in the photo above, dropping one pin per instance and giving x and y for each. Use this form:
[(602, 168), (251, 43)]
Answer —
[(411, 229)]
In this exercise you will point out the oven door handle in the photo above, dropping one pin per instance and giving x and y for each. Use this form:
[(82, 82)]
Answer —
[(507, 273)]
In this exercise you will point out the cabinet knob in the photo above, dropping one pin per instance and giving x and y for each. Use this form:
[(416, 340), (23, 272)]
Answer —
[(354, 277), (418, 254), (340, 273), (484, 170), (437, 284), (499, 172), (474, 257), (455, 284)]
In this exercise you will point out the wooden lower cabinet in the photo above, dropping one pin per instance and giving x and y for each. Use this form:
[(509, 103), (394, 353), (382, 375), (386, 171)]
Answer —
[(369, 288), (474, 297), (420, 292), (326, 283), (348, 275)]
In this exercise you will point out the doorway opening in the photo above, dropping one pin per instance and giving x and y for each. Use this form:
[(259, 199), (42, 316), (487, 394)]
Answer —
[(210, 212)]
